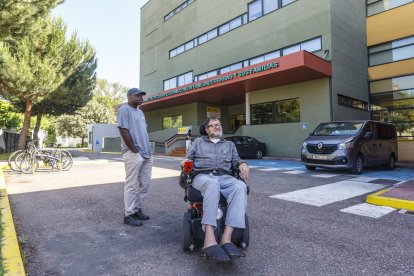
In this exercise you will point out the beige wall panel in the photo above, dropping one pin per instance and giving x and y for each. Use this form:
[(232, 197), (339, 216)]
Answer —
[(286, 139), (406, 151), (390, 25), (400, 68)]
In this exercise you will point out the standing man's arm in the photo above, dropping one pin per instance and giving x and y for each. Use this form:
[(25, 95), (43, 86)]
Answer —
[(128, 140)]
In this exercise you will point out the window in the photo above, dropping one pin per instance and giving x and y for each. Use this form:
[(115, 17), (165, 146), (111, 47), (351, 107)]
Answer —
[(178, 9), (212, 34), (286, 111), (172, 121), (180, 49), (256, 60), (170, 83), (392, 100), (270, 5), (272, 55), (202, 39), (236, 66), (262, 113), (351, 102), (291, 50), (312, 45), (287, 2), (255, 10), (383, 5), (178, 81), (207, 75), (173, 53), (235, 23), (189, 45), (224, 28), (392, 51)]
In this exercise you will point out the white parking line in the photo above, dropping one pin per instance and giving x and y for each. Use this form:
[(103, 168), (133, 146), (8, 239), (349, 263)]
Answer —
[(327, 175), (326, 194), (364, 179), (368, 210), (295, 172)]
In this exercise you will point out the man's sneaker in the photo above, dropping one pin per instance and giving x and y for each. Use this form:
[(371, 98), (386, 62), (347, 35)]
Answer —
[(131, 220), (140, 215)]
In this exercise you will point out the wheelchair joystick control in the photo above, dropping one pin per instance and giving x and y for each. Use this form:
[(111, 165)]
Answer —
[(188, 166)]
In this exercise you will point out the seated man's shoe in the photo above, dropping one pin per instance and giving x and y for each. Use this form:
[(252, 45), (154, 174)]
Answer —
[(140, 215), (215, 252), (232, 250), (131, 220)]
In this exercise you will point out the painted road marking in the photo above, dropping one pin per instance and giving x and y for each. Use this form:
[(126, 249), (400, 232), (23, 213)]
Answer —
[(329, 193), (295, 172), (368, 210), (363, 179), (270, 169), (327, 175)]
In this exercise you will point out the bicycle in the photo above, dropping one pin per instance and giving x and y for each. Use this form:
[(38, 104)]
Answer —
[(60, 160)]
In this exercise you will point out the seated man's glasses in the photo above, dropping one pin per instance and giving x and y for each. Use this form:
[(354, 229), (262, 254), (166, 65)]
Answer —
[(215, 125)]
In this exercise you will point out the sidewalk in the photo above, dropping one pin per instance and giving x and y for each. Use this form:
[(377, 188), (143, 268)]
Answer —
[(399, 197)]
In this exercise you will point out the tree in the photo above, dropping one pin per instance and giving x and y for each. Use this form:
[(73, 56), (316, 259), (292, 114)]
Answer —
[(93, 112), (72, 95), (18, 18), (9, 118), (110, 94), (35, 66)]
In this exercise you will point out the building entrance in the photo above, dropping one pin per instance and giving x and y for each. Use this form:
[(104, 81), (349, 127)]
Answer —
[(235, 121)]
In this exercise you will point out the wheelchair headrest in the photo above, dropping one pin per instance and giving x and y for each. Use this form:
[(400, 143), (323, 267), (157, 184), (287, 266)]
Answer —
[(203, 127)]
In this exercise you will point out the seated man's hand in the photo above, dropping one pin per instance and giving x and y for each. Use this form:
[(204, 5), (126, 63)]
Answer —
[(182, 162), (244, 169)]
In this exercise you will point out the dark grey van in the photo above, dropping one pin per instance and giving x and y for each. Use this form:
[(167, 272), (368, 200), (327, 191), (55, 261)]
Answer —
[(352, 145)]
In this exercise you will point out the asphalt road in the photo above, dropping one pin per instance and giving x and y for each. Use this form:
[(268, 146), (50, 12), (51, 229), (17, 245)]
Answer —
[(71, 223)]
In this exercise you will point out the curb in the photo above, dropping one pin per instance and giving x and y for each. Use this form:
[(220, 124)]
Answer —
[(12, 259), (396, 203)]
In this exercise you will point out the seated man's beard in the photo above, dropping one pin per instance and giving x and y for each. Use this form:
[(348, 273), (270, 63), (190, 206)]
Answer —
[(215, 135)]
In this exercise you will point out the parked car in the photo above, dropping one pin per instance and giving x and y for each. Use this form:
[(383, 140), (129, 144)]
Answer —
[(352, 145), (248, 147)]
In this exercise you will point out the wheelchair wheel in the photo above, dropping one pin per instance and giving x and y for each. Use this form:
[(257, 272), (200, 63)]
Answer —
[(244, 241), (188, 244)]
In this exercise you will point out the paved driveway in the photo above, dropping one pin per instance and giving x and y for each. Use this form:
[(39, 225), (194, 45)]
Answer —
[(71, 224)]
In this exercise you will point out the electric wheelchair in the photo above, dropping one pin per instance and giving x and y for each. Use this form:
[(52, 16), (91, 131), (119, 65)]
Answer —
[(192, 228)]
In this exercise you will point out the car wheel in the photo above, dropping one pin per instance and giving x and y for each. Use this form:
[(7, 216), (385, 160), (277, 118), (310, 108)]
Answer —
[(311, 168), (259, 154), (391, 163), (358, 166)]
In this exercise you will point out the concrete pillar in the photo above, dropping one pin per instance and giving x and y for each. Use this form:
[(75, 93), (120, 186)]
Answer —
[(247, 108)]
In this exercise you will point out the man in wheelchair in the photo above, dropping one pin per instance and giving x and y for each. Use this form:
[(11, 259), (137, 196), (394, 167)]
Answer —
[(213, 159)]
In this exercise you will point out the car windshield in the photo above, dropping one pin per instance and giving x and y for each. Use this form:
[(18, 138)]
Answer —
[(338, 128)]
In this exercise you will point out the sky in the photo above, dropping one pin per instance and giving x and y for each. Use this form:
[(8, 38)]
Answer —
[(113, 29)]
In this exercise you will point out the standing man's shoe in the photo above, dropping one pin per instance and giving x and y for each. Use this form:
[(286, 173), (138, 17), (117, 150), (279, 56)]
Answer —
[(140, 215), (131, 220)]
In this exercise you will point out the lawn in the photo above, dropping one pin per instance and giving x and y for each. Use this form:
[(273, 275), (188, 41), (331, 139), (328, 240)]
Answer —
[(4, 156)]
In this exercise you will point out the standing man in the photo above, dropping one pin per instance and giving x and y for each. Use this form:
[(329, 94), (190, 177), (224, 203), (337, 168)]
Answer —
[(136, 152), (188, 140)]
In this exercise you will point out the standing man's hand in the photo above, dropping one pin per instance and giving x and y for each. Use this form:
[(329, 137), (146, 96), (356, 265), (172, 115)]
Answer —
[(244, 169)]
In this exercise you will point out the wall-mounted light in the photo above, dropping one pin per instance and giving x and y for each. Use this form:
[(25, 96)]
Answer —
[(326, 53)]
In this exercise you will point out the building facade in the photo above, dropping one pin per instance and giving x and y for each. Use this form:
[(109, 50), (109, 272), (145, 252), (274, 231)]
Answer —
[(271, 69), (390, 41)]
